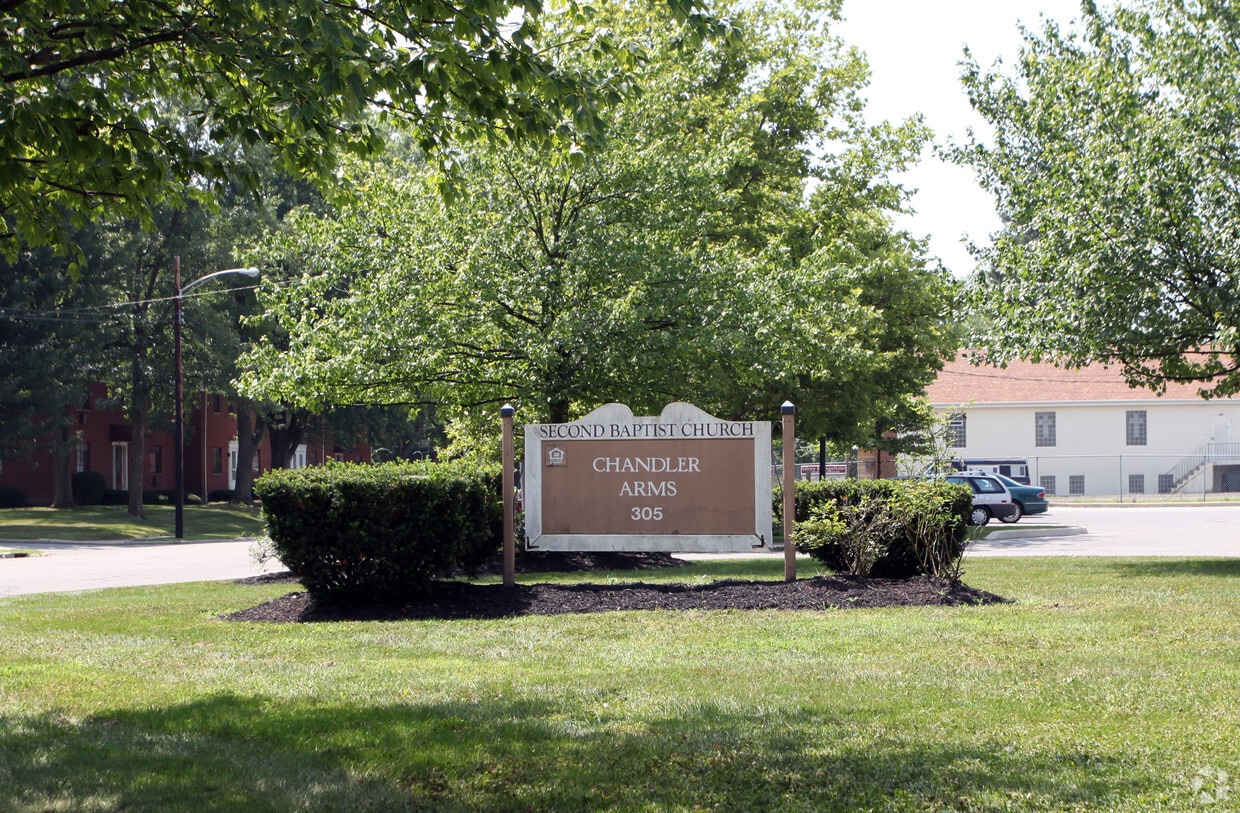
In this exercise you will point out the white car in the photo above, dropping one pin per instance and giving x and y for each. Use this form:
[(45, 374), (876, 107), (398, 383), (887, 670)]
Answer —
[(991, 497)]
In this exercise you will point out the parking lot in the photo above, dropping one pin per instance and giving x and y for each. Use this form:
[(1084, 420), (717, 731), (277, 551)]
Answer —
[(1205, 529)]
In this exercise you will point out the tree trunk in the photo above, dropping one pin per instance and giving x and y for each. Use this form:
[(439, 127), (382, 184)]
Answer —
[(249, 433), (137, 456), (141, 389), (285, 433), (62, 468), (558, 409)]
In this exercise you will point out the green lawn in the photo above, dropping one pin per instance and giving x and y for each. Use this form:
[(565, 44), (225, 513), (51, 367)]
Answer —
[(217, 521), (1107, 685)]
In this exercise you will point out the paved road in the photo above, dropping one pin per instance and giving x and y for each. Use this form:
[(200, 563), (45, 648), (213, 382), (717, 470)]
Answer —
[(1119, 530), (89, 565)]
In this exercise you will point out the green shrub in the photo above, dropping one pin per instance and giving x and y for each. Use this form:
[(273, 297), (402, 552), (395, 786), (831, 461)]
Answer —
[(933, 515), (220, 495), (857, 534), (12, 498), (359, 533), (88, 487), (115, 496), (885, 528)]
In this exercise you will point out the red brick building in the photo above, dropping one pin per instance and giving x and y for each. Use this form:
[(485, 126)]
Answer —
[(210, 451)]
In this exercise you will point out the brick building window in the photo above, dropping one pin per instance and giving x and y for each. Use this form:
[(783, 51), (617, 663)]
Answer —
[(83, 457), (1134, 427), (217, 460), (1044, 429), (155, 459)]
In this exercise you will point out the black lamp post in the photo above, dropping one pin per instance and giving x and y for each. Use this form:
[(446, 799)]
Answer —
[(178, 451)]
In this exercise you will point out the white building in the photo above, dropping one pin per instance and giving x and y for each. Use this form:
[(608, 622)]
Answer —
[(1087, 432)]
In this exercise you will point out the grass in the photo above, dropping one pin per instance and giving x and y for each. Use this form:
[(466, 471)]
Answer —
[(1107, 685), (217, 521)]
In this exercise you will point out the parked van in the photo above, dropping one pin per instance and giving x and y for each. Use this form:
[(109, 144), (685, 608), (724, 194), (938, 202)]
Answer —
[(1013, 467)]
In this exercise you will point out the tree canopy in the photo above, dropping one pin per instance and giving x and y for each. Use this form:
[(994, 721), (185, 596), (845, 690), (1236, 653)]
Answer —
[(723, 247), (1116, 164), (85, 86)]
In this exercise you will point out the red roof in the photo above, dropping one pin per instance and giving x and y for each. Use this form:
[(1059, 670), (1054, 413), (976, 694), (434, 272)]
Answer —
[(1023, 382)]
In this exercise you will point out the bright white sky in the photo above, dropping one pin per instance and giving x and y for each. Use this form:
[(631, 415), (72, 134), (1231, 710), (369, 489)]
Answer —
[(914, 47)]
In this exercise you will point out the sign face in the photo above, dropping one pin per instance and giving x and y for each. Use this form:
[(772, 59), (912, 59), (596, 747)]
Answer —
[(682, 481)]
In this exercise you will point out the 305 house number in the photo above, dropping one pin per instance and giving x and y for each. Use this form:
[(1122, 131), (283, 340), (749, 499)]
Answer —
[(647, 514)]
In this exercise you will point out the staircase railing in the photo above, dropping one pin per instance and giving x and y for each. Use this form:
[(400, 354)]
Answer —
[(1213, 452)]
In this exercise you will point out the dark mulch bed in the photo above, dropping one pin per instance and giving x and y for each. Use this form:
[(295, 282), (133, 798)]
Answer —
[(462, 600)]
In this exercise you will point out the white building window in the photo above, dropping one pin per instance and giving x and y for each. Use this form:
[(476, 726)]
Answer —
[(1076, 485), (120, 466), (1047, 482), (1136, 484), (956, 437), (1134, 427), (1044, 429)]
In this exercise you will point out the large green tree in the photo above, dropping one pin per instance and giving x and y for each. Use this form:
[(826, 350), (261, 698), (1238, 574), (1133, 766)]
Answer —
[(683, 261), (1115, 161), (49, 355), (137, 269), (85, 86)]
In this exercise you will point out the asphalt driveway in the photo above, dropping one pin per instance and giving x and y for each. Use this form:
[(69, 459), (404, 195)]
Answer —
[(66, 566), (1208, 529)]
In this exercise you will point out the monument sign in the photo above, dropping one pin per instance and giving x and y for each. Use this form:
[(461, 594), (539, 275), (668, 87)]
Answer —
[(681, 481)]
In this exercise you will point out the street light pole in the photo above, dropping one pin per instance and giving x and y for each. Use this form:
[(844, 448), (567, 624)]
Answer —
[(178, 452), (178, 446)]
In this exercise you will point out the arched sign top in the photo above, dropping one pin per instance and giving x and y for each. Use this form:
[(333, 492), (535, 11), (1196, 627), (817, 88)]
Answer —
[(683, 480)]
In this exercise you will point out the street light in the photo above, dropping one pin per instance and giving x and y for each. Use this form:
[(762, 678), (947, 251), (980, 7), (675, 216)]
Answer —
[(178, 451)]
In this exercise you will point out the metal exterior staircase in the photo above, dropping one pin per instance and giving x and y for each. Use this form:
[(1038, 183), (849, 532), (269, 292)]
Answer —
[(1190, 465)]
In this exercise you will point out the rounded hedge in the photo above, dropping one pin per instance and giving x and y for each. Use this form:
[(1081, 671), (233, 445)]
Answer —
[(12, 498), (359, 533), (88, 487)]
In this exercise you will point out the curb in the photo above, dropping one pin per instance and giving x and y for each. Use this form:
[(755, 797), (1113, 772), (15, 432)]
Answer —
[(1033, 533), (143, 541)]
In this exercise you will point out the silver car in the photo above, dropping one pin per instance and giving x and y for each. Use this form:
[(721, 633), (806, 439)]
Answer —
[(991, 497)]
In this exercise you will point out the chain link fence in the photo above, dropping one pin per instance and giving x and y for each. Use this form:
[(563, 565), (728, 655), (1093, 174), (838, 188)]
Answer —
[(1212, 472)]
